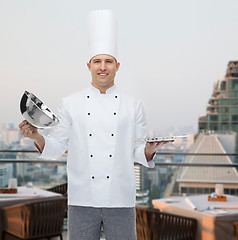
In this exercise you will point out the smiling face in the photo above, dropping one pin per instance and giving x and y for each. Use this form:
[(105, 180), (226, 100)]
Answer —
[(103, 69)]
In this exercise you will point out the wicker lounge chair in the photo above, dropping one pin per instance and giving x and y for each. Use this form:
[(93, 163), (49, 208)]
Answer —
[(62, 189), (151, 224), (235, 230), (35, 219)]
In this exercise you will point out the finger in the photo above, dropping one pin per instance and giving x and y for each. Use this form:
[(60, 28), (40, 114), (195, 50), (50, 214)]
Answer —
[(25, 132), (26, 126), (22, 123), (159, 143), (29, 126), (22, 133), (155, 144)]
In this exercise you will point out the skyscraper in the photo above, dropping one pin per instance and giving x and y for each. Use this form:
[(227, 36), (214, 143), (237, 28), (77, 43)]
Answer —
[(222, 111)]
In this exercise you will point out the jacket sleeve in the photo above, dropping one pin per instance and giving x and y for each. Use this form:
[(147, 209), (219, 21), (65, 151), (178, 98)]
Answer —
[(141, 132), (57, 142)]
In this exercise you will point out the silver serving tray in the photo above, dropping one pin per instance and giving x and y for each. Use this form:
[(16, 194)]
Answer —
[(162, 139)]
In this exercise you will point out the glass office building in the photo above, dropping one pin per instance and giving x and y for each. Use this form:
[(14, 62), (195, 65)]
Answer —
[(222, 111)]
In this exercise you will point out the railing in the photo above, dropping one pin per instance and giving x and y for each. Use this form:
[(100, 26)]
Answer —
[(63, 159), (162, 181)]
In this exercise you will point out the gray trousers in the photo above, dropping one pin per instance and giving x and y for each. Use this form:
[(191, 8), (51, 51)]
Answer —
[(84, 223)]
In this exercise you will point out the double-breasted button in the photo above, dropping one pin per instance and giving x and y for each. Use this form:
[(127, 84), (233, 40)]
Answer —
[(87, 96), (115, 96), (115, 113), (88, 113), (107, 176), (90, 134), (110, 155), (91, 155), (92, 177), (112, 134)]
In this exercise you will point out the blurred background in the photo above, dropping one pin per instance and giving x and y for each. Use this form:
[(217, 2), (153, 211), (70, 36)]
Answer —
[(171, 53)]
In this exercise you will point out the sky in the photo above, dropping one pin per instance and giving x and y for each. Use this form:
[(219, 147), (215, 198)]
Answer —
[(171, 53)]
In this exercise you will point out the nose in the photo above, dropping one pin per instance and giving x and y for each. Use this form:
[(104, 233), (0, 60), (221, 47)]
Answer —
[(103, 66)]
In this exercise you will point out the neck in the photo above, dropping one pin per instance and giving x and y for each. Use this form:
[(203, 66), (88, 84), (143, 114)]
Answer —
[(102, 89)]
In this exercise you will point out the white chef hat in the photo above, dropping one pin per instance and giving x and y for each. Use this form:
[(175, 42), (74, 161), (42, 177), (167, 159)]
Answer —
[(102, 33)]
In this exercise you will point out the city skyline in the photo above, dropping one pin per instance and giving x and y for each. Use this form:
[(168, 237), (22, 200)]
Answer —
[(171, 54)]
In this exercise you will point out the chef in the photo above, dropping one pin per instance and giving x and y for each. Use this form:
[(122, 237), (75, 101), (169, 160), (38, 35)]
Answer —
[(100, 126)]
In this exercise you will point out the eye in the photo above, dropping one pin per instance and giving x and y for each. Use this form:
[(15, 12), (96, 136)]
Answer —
[(96, 61), (109, 61)]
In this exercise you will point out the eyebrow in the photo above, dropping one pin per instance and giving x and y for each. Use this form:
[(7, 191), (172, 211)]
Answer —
[(98, 59)]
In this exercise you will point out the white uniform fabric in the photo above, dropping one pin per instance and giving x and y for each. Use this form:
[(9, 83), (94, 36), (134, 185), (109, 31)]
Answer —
[(102, 33), (100, 132)]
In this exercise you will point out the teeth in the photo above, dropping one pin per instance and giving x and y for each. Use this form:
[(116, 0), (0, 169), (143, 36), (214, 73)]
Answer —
[(102, 74)]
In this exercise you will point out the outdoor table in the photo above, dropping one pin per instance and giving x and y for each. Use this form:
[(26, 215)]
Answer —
[(214, 218), (24, 194)]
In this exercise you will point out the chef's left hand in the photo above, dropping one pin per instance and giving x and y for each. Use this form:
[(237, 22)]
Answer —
[(151, 147)]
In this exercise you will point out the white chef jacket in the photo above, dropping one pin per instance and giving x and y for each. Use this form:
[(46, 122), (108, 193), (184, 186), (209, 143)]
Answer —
[(100, 132)]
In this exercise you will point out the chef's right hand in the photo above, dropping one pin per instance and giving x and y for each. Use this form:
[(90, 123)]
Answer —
[(28, 130)]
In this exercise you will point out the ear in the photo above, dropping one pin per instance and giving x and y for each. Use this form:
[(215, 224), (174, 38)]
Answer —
[(118, 65), (89, 66)]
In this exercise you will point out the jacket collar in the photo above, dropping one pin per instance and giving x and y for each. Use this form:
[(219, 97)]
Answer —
[(108, 91)]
